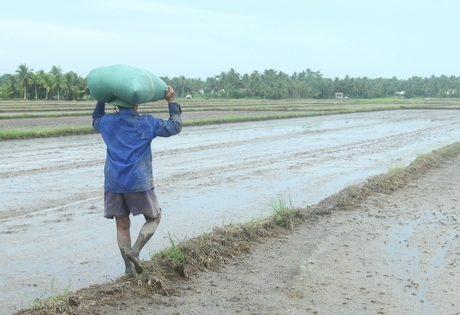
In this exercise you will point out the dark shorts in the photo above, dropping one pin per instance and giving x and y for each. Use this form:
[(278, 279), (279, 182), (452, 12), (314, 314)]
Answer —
[(121, 205)]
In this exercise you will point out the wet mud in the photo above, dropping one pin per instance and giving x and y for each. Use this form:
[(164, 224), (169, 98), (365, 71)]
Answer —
[(51, 212)]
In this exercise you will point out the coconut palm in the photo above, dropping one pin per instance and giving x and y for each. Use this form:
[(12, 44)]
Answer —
[(23, 74), (40, 89), (35, 82), (47, 81), (73, 85), (56, 70), (58, 84)]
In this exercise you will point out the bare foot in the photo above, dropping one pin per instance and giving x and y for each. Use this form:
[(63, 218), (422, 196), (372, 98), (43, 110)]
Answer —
[(136, 262)]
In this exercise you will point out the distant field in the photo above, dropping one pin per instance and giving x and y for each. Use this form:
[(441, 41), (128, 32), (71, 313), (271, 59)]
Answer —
[(28, 119)]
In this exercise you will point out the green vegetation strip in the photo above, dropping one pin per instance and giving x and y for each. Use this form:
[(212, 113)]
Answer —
[(215, 249), (55, 115), (67, 131), (44, 133)]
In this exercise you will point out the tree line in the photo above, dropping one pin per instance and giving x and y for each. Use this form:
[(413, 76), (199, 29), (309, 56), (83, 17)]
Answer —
[(26, 83)]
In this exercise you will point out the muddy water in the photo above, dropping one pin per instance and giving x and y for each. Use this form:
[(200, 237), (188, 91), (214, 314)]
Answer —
[(52, 231)]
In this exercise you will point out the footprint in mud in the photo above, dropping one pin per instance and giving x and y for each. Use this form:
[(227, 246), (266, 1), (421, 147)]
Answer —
[(92, 210), (9, 231), (17, 228), (61, 218)]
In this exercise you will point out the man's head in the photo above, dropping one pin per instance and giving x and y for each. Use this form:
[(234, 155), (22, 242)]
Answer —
[(131, 108), (122, 104)]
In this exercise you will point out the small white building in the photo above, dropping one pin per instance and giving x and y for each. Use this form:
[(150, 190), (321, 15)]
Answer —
[(400, 94)]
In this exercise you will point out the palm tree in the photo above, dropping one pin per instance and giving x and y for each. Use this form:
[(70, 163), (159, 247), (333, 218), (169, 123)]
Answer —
[(59, 83), (264, 91), (40, 90), (255, 83), (233, 79), (56, 70), (47, 81), (431, 86), (211, 85), (180, 84), (82, 87), (73, 85), (23, 75), (35, 81)]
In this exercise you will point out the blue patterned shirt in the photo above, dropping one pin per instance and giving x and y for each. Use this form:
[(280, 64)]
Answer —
[(128, 137)]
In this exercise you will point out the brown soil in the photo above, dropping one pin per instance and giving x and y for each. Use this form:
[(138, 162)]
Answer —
[(389, 246)]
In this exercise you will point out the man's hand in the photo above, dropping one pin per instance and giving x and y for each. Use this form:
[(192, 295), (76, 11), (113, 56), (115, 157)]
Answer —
[(170, 95)]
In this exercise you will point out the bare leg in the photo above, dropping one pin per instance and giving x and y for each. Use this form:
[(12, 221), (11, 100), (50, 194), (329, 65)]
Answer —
[(146, 233), (124, 242)]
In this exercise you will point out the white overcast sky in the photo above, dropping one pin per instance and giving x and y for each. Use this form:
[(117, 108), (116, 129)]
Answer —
[(202, 38)]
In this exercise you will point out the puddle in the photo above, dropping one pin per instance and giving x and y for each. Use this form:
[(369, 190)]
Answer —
[(408, 259)]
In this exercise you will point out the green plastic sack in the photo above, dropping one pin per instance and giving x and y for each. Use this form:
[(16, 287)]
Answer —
[(125, 86)]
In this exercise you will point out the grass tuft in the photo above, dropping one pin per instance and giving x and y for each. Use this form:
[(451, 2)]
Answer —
[(283, 213), (60, 303), (177, 256)]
